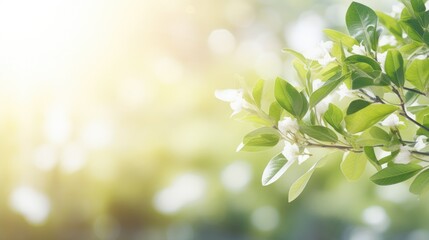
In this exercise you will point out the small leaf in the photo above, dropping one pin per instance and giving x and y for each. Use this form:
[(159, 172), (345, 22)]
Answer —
[(334, 116), (361, 22), (354, 59), (394, 67), (290, 99), (418, 74), (356, 105), (353, 166), (257, 92), (340, 37), (391, 24), (420, 183), (296, 54), (275, 111), (298, 186), (395, 173), (275, 169), (320, 133), (326, 89), (260, 139), (422, 131), (368, 116), (369, 152)]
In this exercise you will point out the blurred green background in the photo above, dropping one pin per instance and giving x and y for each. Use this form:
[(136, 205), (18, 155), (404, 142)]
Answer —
[(109, 128)]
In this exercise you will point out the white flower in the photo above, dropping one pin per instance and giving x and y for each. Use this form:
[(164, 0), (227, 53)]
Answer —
[(321, 53), (288, 125), (360, 50), (420, 142), (292, 153), (317, 83), (343, 91), (397, 10), (323, 105), (234, 97), (392, 121), (404, 155), (381, 58), (387, 40)]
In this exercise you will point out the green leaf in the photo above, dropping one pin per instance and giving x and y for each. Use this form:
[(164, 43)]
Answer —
[(369, 152), (334, 116), (326, 89), (353, 166), (353, 59), (260, 139), (391, 24), (394, 67), (361, 79), (357, 105), (395, 173), (275, 111), (420, 183), (296, 54), (422, 131), (361, 22), (298, 186), (290, 99), (418, 74), (368, 116), (257, 92), (320, 133), (340, 37), (275, 169)]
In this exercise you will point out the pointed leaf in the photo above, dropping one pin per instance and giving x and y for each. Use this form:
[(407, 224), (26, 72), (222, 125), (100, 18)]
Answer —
[(420, 183), (394, 67), (298, 186), (320, 133), (275, 169), (353, 166), (326, 89), (260, 139), (368, 117), (395, 173), (361, 22), (418, 74), (257, 92), (290, 99)]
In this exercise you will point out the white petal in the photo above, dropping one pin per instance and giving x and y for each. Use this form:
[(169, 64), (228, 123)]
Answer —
[(359, 49), (404, 155), (420, 142), (317, 83), (288, 125), (229, 95)]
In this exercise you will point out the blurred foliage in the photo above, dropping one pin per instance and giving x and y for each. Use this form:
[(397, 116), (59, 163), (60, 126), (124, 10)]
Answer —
[(110, 130)]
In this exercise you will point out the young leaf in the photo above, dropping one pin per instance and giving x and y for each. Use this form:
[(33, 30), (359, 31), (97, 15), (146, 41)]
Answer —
[(340, 37), (420, 183), (391, 24), (275, 111), (395, 173), (320, 133), (354, 59), (356, 105), (298, 186), (422, 131), (257, 92), (394, 67), (369, 152), (275, 169), (353, 165), (418, 74), (259, 139), (296, 54), (326, 89), (368, 116), (334, 116), (290, 99), (361, 22)]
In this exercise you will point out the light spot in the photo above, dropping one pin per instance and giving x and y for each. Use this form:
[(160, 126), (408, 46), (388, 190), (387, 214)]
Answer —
[(268, 65), (184, 190), (45, 157), (221, 42), (73, 158), (97, 133), (236, 176), (265, 218), (30, 203), (376, 217), (57, 124), (168, 69)]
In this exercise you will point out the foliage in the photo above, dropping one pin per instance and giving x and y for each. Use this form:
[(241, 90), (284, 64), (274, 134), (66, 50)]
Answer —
[(363, 100)]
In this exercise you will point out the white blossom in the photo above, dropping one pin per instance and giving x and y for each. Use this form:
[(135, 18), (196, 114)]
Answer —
[(392, 121), (323, 105), (381, 58), (397, 10), (292, 153), (234, 97), (321, 53), (420, 142), (343, 92), (387, 40), (359, 49), (288, 125), (404, 155)]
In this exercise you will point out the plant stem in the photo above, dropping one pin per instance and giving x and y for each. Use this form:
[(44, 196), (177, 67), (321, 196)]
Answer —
[(404, 110), (415, 91)]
